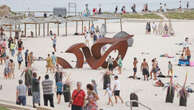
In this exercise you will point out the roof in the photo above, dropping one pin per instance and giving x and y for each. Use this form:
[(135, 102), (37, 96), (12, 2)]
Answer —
[(9, 21), (80, 18), (105, 16), (54, 19), (31, 20)]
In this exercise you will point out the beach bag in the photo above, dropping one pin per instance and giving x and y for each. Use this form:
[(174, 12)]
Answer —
[(170, 94), (134, 97), (183, 98)]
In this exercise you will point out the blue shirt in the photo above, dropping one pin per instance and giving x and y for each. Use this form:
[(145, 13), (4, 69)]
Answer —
[(54, 59), (54, 41)]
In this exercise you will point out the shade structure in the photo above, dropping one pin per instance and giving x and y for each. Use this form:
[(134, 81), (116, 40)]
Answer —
[(9, 22), (81, 19), (54, 19), (106, 17), (31, 20)]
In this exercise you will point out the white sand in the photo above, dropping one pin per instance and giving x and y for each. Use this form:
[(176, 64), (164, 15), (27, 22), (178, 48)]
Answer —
[(148, 94)]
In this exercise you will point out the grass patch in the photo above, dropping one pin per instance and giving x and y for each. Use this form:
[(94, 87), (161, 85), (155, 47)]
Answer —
[(142, 16), (189, 15), (3, 108)]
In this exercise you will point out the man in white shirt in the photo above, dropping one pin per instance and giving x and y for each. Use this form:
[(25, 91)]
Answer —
[(116, 89)]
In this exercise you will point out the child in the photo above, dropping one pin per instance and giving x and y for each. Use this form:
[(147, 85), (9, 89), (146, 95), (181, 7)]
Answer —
[(170, 70), (108, 90)]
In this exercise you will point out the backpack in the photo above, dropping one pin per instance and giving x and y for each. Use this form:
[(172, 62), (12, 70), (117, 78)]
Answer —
[(134, 97)]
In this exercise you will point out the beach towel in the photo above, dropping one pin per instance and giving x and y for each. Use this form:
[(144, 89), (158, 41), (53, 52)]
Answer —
[(165, 35)]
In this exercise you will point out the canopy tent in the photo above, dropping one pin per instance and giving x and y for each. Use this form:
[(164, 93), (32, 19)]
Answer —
[(106, 17), (81, 19)]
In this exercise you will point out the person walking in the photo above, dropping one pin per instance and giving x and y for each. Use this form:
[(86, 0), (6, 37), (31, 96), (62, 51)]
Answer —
[(54, 61), (92, 98), (170, 69), (30, 59), (120, 64), (58, 75), (110, 64), (20, 45), (12, 69), (19, 59), (6, 68), (106, 79), (47, 86), (54, 42), (49, 64), (12, 48), (59, 87), (21, 92), (116, 90), (26, 57), (78, 98), (28, 79), (35, 90), (108, 90)]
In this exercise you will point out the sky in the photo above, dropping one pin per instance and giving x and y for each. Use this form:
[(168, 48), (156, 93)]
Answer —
[(107, 5)]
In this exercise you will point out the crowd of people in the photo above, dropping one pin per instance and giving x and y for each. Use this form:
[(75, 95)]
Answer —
[(163, 29), (79, 99)]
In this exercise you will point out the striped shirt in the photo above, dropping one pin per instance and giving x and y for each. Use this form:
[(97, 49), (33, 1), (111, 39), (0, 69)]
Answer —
[(47, 86)]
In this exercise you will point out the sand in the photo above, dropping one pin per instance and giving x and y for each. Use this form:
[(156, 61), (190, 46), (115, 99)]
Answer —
[(149, 95)]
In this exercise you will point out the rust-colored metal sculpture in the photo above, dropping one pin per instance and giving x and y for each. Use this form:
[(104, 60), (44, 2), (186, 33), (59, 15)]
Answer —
[(94, 58)]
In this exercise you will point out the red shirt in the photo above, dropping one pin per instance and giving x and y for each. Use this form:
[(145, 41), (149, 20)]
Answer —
[(78, 97)]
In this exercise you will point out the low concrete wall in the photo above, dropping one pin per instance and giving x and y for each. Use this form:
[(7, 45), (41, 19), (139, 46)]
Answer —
[(14, 106), (18, 107)]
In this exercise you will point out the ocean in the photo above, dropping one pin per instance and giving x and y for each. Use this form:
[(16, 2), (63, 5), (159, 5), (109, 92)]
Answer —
[(106, 5)]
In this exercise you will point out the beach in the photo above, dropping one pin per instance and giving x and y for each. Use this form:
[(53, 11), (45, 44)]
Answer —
[(153, 45)]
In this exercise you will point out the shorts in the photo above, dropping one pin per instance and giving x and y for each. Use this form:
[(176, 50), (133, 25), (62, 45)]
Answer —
[(117, 93), (19, 49), (19, 62), (154, 70), (59, 93), (145, 72), (54, 45), (110, 67), (6, 71), (134, 70)]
